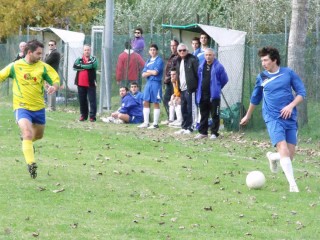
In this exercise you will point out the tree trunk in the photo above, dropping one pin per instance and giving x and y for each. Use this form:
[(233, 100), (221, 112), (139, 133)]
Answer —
[(296, 48)]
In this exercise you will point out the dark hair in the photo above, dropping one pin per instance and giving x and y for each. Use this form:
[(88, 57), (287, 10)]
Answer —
[(139, 29), (175, 41), (173, 69), (127, 45), (196, 39), (32, 46), (153, 45), (204, 33), (127, 89), (272, 52), (54, 41), (134, 84)]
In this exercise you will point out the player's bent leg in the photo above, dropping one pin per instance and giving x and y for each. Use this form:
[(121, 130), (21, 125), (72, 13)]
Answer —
[(38, 131)]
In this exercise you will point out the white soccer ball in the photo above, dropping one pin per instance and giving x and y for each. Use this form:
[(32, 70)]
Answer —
[(255, 180)]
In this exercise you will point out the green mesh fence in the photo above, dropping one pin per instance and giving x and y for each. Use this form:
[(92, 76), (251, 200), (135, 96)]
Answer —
[(252, 67)]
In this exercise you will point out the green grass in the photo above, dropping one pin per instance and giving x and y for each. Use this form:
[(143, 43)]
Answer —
[(121, 182)]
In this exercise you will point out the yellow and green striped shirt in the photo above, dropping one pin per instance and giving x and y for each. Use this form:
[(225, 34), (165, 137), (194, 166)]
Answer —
[(28, 83)]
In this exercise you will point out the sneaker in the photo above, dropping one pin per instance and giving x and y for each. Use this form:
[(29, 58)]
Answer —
[(107, 119), (200, 136), (187, 131), (272, 163), (213, 137), (154, 126), (82, 119), (181, 131), (294, 188), (175, 123), (165, 122), (32, 168), (118, 121), (143, 125), (93, 119)]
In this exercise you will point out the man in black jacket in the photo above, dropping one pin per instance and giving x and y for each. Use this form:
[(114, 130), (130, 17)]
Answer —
[(53, 59), (187, 68)]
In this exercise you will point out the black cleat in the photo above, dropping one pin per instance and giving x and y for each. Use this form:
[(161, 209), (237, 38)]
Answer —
[(32, 168)]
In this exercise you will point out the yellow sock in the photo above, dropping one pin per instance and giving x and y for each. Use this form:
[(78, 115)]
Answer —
[(27, 149)]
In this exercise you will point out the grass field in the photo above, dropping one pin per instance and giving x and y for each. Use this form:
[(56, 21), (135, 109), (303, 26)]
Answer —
[(99, 181)]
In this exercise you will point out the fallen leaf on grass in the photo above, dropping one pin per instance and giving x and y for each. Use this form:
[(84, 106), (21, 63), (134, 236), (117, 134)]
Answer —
[(41, 188), (58, 190), (208, 208), (74, 225), (35, 234), (173, 219)]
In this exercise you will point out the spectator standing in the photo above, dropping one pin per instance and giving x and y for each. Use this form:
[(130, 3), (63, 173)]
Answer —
[(53, 59), (129, 66), (153, 71), (29, 76), (86, 67), (195, 46), (187, 73), (212, 78), (137, 42), (167, 80), (204, 40), (21, 53)]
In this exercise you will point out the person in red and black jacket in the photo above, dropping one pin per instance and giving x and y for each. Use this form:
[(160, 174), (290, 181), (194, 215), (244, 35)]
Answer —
[(86, 67)]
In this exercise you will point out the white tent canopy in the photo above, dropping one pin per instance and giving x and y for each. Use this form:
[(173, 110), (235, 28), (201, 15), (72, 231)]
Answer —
[(73, 47), (230, 46)]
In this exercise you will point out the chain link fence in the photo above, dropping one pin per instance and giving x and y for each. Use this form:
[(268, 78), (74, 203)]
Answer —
[(240, 95)]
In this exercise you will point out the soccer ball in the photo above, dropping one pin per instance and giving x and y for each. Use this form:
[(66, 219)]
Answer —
[(255, 180)]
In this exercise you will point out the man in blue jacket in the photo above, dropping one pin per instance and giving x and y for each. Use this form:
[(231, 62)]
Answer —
[(212, 78)]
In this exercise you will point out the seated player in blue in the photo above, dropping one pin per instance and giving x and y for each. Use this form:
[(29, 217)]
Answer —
[(130, 110), (134, 90), (153, 71), (274, 87)]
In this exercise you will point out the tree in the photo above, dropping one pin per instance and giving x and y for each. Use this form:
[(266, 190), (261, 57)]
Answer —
[(297, 47), (43, 13)]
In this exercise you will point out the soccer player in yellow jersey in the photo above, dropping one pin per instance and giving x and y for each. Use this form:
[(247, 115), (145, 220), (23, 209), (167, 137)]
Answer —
[(29, 76)]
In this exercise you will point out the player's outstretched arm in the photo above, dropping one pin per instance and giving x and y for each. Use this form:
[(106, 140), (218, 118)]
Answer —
[(247, 117)]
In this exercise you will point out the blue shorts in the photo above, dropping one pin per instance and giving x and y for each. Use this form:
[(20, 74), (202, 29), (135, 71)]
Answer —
[(36, 117), (283, 130), (152, 92), (135, 120)]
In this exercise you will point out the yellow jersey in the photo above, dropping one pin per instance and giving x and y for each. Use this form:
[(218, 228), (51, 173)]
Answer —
[(29, 83)]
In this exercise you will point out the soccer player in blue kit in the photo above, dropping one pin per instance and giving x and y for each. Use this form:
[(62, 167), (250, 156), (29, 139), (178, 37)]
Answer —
[(152, 71), (274, 87)]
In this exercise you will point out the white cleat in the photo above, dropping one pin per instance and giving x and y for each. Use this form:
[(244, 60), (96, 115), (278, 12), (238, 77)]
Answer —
[(294, 188), (273, 163), (143, 125)]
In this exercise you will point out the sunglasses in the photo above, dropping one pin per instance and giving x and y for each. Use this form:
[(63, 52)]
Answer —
[(182, 50), (137, 32)]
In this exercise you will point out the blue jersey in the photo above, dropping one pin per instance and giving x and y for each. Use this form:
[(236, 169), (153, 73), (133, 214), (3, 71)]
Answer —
[(138, 96), (155, 64), (131, 106), (276, 91)]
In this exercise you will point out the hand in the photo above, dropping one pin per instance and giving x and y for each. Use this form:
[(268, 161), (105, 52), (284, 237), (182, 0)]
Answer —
[(286, 112), (244, 120), (51, 90)]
